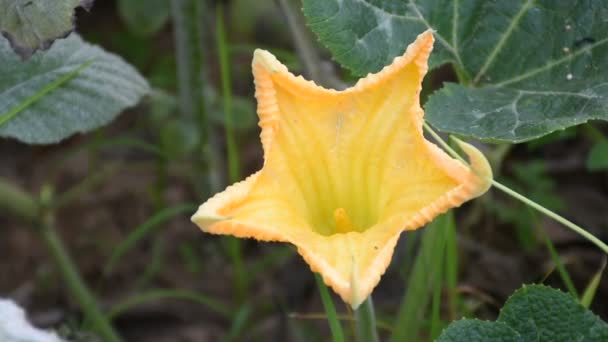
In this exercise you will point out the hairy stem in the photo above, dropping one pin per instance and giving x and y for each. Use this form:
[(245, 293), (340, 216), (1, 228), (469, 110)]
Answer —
[(576, 228)]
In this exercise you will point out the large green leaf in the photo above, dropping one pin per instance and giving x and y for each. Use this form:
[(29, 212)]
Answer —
[(531, 67), (40, 104), (533, 313), (34, 24), (540, 313), (473, 330)]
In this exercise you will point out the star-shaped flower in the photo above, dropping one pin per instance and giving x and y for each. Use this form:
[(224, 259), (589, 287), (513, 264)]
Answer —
[(345, 172)]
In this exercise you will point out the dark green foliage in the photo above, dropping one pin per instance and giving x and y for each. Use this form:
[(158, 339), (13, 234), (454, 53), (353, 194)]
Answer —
[(527, 68), (474, 330), (533, 313)]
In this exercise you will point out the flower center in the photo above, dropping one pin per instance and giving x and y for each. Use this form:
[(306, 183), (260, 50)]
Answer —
[(342, 222)]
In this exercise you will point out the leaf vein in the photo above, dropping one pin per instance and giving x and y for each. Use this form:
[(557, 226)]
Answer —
[(439, 37), (503, 39), (419, 18), (551, 64), (455, 18), (42, 92)]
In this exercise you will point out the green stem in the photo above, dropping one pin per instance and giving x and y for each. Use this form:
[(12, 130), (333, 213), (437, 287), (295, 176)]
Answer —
[(442, 142), (330, 311), (561, 269), (224, 59), (188, 35), (524, 199), (233, 245), (233, 248), (576, 228), (75, 284), (365, 318), (462, 75), (159, 294), (19, 203)]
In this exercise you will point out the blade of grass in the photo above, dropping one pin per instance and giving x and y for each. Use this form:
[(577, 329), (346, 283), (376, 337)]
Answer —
[(591, 289), (190, 257), (232, 246), (451, 267), (144, 230), (87, 184), (557, 260), (4, 118), (188, 35), (449, 278), (239, 322), (97, 144), (159, 294), (74, 282), (114, 142), (409, 252), (436, 308), (332, 317), (426, 267), (234, 171), (24, 206), (155, 265)]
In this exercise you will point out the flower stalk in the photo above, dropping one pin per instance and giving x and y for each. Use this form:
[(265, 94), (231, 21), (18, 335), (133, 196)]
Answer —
[(365, 318)]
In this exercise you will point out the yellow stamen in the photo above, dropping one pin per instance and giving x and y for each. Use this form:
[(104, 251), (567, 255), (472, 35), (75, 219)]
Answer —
[(343, 222)]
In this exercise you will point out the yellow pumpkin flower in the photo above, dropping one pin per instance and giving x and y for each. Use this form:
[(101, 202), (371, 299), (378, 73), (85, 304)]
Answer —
[(345, 172)]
